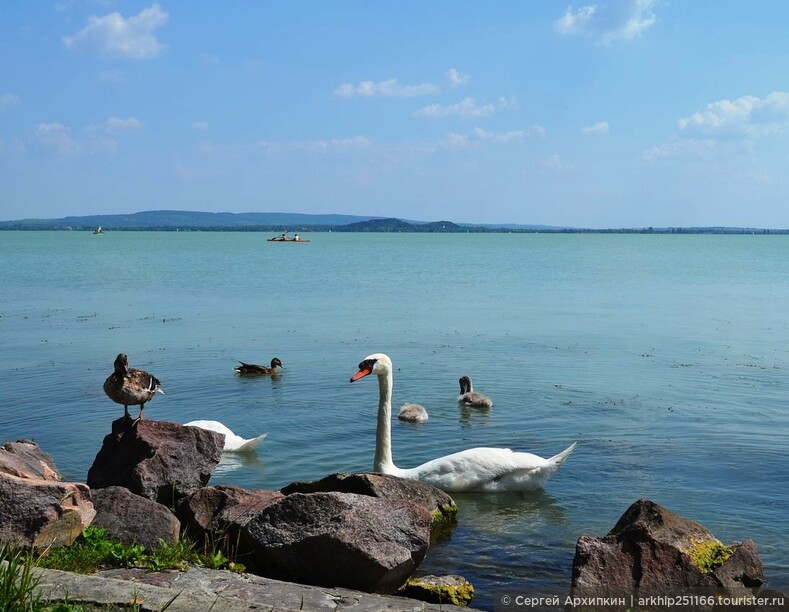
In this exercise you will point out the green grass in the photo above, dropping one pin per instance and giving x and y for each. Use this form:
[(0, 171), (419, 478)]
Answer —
[(17, 581), (94, 551)]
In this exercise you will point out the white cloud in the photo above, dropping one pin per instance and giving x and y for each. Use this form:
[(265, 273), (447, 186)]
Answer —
[(57, 137), (117, 36), (388, 88), (110, 76), (200, 125), (554, 163), (747, 116), (678, 148), (477, 135), (725, 127), (7, 101), (467, 109), (608, 22), (457, 78), (575, 22), (317, 146), (114, 124), (334, 144), (97, 138), (598, 129)]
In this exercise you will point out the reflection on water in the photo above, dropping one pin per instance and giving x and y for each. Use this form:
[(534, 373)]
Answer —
[(468, 414), (508, 512), (524, 534), (230, 462)]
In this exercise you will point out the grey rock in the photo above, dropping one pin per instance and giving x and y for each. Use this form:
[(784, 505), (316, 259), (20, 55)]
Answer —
[(200, 589), (25, 459), (340, 539), (132, 519), (451, 589), (38, 513), (742, 574), (215, 516), (646, 519), (649, 550), (165, 462), (439, 503)]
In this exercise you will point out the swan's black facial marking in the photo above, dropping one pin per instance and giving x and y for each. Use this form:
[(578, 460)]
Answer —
[(365, 369)]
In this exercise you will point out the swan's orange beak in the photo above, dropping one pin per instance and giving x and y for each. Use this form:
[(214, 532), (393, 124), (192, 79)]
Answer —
[(361, 374)]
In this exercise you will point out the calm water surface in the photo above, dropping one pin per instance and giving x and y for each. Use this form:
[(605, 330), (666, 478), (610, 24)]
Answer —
[(665, 357)]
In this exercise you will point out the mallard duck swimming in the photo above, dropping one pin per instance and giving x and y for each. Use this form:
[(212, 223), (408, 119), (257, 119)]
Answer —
[(251, 368), (129, 386), (469, 397)]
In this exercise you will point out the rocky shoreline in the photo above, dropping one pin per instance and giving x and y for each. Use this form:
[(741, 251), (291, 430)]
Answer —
[(219, 590), (345, 541)]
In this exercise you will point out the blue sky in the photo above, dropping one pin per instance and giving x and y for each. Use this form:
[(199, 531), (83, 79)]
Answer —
[(621, 113)]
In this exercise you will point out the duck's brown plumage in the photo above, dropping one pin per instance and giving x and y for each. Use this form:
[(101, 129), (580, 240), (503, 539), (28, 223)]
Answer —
[(253, 368), (130, 386)]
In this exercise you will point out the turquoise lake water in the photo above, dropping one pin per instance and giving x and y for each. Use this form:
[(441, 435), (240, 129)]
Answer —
[(664, 356)]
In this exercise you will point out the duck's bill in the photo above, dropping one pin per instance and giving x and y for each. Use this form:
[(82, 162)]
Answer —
[(361, 374)]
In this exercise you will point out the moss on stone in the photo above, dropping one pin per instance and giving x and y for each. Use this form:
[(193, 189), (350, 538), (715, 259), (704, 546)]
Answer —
[(442, 521), (709, 555), (439, 589)]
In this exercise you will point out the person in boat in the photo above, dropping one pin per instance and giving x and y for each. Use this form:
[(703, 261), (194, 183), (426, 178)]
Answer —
[(283, 237), (296, 238)]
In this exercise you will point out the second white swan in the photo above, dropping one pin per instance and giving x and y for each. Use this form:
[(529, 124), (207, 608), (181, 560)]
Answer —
[(473, 470), (233, 442)]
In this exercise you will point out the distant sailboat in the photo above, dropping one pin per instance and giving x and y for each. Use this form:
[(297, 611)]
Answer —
[(98, 230)]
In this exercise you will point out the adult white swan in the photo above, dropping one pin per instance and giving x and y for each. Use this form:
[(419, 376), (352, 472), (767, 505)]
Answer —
[(475, 469), (233, 442)]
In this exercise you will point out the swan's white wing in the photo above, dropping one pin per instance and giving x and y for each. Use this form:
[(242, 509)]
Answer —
[(249, 444), (211, 426), (233, 442), (487, 469)]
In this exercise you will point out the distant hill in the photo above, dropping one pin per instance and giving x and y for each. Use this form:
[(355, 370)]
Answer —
[(398, 225), (170, 220), (173, 220), (189, 220)]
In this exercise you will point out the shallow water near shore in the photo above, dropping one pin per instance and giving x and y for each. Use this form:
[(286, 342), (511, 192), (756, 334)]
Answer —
[(664, 357)]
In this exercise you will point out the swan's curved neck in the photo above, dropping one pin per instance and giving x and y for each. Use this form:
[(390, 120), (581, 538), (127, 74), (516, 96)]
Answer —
[(383, 435)]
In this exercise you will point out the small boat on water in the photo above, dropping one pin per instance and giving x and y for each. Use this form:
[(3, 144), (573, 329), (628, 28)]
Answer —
[(98, 230), (284, 238)]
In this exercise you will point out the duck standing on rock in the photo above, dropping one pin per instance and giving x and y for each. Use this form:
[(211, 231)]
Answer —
[(130, 386), (251, 368)]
